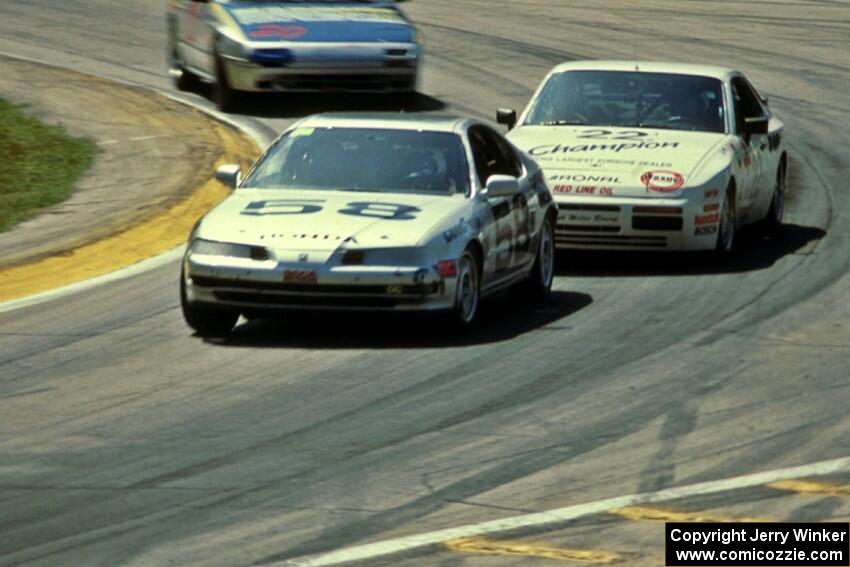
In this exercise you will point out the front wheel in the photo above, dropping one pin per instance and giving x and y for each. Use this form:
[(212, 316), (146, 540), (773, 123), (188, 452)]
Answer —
[(728, 228), (224, 96), (208, 321), (467, 295)]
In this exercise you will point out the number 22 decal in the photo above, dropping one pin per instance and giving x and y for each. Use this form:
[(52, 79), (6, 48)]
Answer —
[(609, 135), (387, 211)]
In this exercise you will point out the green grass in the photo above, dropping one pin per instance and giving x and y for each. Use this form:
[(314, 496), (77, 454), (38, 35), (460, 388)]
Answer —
[(39, 164)]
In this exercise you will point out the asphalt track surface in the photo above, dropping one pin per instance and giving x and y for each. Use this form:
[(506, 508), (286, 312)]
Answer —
[(125, 440)]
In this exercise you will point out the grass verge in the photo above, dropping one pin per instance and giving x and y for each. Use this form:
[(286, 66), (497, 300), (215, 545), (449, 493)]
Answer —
[(39, 164)]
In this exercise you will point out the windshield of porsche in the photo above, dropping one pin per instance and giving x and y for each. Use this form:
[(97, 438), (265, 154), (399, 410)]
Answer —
[(631, 100), (364, 159)]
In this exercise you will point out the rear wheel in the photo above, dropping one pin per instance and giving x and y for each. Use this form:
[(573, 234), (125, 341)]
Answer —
[(208, 321), (773, 220), (727, 232), (539, 283), (224, 96), (467, 295)]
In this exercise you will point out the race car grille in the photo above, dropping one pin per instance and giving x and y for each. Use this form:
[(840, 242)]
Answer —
[(593, 208), (610, 240), (657, 223), (302, 290), (351, 83), (587, 228)]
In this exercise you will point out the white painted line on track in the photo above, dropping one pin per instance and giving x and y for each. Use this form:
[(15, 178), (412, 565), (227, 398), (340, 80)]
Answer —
[(560, 515), (262, 139), (120, 274)]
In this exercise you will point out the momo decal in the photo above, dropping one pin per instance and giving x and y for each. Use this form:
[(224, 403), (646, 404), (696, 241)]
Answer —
[(555, 149), (662, 181), (278, 31), (300, 276)]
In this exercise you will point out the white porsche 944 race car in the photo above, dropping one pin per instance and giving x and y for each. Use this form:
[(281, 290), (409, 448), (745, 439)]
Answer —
[(372, 212), (654, 156), (291, 45)]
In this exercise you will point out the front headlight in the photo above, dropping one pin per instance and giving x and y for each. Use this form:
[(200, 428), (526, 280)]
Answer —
[(203, 247), (230, 47)]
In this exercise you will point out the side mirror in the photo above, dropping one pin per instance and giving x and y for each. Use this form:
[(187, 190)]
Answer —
[(506, 116), (758, 125), (501, 186), (229, 175)]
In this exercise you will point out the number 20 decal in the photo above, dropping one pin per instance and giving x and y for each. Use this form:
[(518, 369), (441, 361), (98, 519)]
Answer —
[(387, 211), (609, 135)]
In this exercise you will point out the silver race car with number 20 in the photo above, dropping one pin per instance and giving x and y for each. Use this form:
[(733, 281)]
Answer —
[(654, 156), (372, 212)]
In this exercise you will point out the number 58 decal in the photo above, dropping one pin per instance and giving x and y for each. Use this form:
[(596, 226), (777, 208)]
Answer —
[(387, 211)]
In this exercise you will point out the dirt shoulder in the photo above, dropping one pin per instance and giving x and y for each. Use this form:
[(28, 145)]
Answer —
[(153, 154)]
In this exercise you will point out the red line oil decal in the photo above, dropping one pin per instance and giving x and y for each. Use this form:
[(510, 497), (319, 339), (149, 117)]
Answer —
[(281, 32), (662, 181)]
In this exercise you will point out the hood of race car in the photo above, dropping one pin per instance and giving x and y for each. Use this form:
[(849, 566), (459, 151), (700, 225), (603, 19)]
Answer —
[(324, 221), (617, 162), (323, 23)]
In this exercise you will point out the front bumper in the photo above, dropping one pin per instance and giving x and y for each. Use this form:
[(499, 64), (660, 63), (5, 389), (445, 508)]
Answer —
[(357, 68), (587, 223), (247, 285)]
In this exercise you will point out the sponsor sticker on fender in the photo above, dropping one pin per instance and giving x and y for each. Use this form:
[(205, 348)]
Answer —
[(662, 181), (713, 218)]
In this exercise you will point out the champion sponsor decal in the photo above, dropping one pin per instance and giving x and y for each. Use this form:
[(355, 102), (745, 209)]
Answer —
[(555, 149), (662, 181)]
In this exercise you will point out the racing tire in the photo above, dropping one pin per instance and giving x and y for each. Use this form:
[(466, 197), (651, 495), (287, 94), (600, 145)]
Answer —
[(207, 321), (468, 291), (773, 220), (538, 286), (184, 80), (728, 229), (224, 96)]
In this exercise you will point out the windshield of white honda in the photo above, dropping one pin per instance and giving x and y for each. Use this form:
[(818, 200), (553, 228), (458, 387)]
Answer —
[(630, 99), (364, 159)]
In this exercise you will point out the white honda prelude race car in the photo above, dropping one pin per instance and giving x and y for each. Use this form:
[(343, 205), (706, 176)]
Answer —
[(291, 45), (398, 212), (654, 156)]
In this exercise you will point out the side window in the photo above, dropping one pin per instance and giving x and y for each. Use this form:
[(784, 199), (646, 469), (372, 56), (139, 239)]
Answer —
[(746, 103), (493, 156)]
